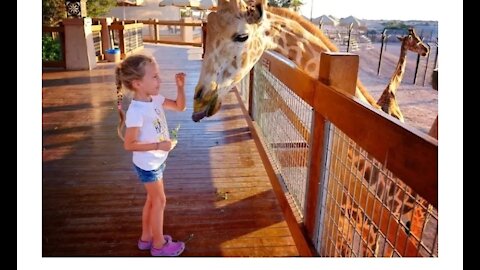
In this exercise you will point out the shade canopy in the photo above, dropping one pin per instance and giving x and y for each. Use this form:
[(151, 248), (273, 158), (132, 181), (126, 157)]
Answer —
[(208, 4), (350, 20), (325, 20)]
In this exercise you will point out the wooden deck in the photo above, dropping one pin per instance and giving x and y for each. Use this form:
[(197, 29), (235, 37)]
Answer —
[(92, 200)]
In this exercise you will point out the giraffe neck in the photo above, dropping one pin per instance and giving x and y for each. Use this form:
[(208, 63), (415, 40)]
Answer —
[(293, 41), (399, 71), (302, 42)]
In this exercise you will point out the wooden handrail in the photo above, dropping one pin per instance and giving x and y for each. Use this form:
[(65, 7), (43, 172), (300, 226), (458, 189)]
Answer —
[(52, 29)]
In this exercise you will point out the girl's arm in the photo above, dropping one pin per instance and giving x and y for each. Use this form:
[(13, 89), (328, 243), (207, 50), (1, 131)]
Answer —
[(131, 143), (179, 104)]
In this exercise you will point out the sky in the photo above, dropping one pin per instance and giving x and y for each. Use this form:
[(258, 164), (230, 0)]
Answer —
[(29, 154), (376, 9)]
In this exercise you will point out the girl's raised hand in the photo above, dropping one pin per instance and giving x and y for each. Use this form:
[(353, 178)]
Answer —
[(180, 79)]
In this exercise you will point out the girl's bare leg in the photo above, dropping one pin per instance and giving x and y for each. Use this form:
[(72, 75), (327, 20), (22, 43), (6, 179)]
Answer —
[(146, 228), (156, 193)]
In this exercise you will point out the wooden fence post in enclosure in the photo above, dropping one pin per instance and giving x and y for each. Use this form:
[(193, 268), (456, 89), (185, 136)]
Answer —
[(416, 69), (384, 37), (350, 27), (250, 92), (107, 41), (338, 70), (426, 64), (186, 32), (204, 36), (156, 36)]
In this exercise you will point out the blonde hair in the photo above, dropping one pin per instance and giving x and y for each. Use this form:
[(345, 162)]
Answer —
[(132, 68)]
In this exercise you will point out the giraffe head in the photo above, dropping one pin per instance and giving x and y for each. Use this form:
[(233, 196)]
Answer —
[(235, 42), (414, 43)]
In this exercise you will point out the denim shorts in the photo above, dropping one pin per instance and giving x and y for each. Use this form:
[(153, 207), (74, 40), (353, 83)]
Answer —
[(150, 176)]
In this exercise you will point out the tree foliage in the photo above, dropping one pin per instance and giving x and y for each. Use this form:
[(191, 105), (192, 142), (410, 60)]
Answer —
[(98, 8), (53, 11), (395, 25), (278, 3), (51, 49), (294, 4)]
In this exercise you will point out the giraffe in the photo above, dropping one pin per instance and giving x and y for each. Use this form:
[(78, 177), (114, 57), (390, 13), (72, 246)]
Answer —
[(237, 37), (391, 192), (387, 100)]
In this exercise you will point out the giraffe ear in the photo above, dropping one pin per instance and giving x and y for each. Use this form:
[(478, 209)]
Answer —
[(400, 38), (255, 11), (237, 5)]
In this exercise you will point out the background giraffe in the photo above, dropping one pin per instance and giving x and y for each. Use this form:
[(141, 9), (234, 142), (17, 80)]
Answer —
[(237, 37), (387, 100)]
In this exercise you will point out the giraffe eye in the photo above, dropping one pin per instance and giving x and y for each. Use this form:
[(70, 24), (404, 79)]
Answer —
[(240, 37)]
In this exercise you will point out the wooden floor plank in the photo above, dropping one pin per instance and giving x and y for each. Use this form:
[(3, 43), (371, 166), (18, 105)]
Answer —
[(218, 192)]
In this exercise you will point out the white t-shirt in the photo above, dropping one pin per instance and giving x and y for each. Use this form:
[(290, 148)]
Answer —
[(150, 118)]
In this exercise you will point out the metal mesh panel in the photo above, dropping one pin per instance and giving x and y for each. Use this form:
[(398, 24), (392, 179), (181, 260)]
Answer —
[(284, 122), (367, 211), (243, 89)]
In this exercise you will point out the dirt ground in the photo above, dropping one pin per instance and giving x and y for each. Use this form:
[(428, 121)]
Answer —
[(418, 102)]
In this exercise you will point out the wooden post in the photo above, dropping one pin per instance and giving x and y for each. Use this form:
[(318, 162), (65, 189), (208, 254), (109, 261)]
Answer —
[(121, 40), (384, 36), (79, 47), (426, 65), (63, 43), (416, 69), (204, 37), (250, 92), (349, 36), (155, 29), (338, 70)]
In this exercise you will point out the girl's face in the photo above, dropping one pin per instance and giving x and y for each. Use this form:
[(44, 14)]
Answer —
[(150, 83)]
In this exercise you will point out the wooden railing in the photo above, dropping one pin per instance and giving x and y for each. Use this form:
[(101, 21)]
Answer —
[(56, 33), (97, 41), (173, 35), (128, 37), (409, 154)]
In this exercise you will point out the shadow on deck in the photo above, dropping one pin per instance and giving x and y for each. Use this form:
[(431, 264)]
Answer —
[(92, 200)]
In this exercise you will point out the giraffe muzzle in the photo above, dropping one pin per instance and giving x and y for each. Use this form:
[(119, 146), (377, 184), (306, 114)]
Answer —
[(210, 109), (198, 116)]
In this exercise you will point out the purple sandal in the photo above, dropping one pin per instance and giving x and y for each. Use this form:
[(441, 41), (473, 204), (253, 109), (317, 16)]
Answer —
[(146, 245), (170, 249)]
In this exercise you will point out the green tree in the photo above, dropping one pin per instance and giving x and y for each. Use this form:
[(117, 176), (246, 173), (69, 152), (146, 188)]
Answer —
[(294, 4), (53, 11), (279, 3), (98, 8), (395, 25)]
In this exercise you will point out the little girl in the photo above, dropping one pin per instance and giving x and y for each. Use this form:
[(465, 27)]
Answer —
[(147, 136)]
